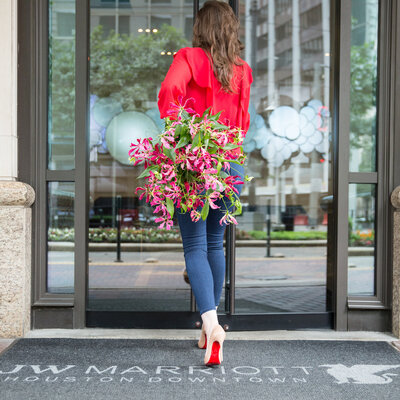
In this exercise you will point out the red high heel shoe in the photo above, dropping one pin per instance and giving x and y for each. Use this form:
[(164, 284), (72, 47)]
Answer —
[(213, 354), (202, 343)]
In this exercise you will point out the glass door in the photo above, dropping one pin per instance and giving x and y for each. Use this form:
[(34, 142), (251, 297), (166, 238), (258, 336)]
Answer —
[(278, 273), (133, 265), (282, 255)]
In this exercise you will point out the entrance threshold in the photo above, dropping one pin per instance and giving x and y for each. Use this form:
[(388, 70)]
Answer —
[(192, 320), (193, 334)]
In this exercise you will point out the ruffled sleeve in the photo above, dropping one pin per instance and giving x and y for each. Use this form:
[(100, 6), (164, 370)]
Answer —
[(175, 82), (245, 97)]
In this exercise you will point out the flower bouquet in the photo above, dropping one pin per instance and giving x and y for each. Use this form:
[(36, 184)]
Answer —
[(185, 166)]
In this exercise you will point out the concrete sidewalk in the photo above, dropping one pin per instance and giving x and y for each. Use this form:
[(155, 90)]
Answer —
[(187, 334)]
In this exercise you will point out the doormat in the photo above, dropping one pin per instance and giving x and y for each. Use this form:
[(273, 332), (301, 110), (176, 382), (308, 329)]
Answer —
[(63, 368)]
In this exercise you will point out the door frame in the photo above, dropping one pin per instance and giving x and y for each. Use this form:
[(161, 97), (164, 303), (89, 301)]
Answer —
[(155, 319), (365, 312), (50, 310)]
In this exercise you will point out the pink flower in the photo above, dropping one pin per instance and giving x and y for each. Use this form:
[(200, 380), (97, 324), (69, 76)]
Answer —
[(227, 218), (164, 221), (178, 106), (227, 166), (195, 215), (186, 178), (222, 140), (214, 196), (174, 191)]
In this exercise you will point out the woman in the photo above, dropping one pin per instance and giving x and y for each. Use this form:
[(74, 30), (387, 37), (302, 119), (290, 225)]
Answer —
[(214, 75)]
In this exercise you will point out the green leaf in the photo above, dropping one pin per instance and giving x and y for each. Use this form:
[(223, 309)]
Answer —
[(146, 172), (170, 153), (196, 140), (220, 126), (178, 130), (238, 206), (183, 141), (223, 174), (206, 112), (230, 146), (215, 117), (204, 210), (170, 206)]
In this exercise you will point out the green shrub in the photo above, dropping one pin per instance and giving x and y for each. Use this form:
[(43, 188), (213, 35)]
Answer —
[(289, 235)]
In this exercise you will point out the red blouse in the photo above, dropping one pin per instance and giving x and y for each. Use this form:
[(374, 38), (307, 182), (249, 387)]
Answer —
[(191, 75)]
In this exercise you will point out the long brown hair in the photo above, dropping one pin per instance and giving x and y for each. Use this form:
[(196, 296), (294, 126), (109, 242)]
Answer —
[(216, 29)]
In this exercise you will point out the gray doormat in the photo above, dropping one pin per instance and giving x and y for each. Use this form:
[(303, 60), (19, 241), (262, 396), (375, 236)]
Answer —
[(168, 369)]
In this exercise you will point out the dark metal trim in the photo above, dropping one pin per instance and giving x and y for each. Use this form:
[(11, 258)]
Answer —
[(363, 177), (188, 320), (377, 320), (195, 9), (395, 109), (235, 6), (60, 176), (231, 242), (230, 269), (82, 29), (340, 45), (26, 92), (52, 317), (394, 139), (384, 164), (383, 227), (54, 299), (39, 158), (32, 135), (365, 302)]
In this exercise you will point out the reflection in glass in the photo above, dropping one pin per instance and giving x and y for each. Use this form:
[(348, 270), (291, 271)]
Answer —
[(60, 237), (61, 85), (133, 265), (361, 239), (289, 155), (363, 90)]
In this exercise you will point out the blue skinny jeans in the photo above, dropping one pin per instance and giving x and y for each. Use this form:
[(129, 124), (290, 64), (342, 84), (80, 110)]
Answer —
[(203, 249)]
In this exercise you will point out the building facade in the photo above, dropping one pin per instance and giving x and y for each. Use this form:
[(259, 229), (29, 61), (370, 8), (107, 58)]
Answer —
[(317, 245)]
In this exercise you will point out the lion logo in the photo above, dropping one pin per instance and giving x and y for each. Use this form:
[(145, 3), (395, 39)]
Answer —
[(360, 373)]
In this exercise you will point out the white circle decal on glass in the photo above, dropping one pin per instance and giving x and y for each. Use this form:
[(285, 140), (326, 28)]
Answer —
[(124, 129)]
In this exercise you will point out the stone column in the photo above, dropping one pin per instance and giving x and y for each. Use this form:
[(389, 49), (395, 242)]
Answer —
[(395, 198), (15, 258), (8, 90), (15, 197)]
